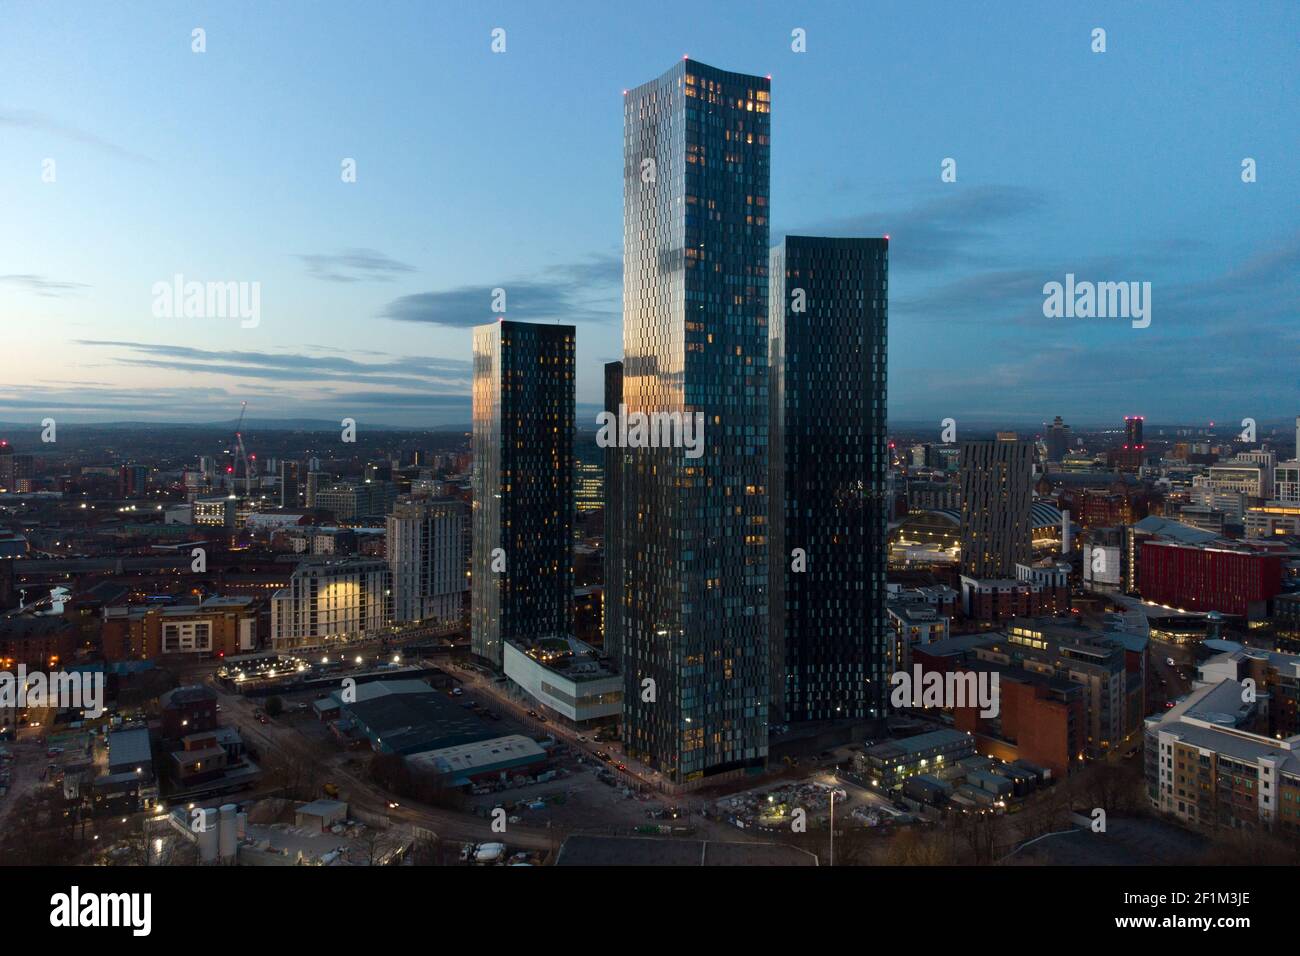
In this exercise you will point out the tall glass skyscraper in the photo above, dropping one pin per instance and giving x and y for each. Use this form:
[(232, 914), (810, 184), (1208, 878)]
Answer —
[(830, 457), (522, 566), (695, 245), (612, 560)]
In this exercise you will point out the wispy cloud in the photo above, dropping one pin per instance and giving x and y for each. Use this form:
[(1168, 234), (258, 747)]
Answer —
[(584, 291), (409, 372), (52, 288), (40, 123), (937, 234), (354, 265)]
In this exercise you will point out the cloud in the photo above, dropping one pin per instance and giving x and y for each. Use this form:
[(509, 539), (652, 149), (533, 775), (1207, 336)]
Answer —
[(405, 372), (52, 288), (585, 291), (40, 123), (354, 265), (941, 233)]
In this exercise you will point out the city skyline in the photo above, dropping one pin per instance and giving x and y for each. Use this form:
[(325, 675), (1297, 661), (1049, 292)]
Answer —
[(750, 435), (366, 300)]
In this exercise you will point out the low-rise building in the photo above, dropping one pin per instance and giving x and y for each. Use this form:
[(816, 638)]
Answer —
[(1208, 765), (568, 678), (886, 765), (216, 627)]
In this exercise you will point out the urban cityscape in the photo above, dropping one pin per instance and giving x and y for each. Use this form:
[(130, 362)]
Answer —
[(544, 544)]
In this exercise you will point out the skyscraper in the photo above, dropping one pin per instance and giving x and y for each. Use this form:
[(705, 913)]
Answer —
[(1133, 431), (695, 249), (996, 496), (1058, 440), (613, 557), (829, 458), (425, 544), (1130, 456), (289, 497), (522, 565)]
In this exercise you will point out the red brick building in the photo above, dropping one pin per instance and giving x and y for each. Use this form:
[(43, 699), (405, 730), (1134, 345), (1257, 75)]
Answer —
[(1041, 720)]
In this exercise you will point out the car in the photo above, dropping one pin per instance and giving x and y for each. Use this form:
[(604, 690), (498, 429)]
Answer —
[(1170, 661), (621, 766), (456, 692), (393, 804), (541, 718), (261, 719), (601, 755), (581, 739), (532, 713)]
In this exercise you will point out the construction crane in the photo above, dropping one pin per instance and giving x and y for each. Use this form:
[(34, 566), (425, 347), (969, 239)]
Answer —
[(242, 453)]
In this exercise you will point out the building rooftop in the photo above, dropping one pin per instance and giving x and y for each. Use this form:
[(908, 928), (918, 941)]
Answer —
[(408, 723), (1174, 529), (919, 743), (190, 694), (129, 747), (465, 760), (1211, 717)]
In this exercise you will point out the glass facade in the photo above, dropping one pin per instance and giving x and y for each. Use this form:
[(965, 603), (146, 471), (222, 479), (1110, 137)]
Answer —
[(695, 248), (523, 485), (613, 518), (829, 461)]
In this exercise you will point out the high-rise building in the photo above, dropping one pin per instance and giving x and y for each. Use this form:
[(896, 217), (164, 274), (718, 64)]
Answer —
[(996, 495), (522, 566), (1130, 455), (316, 481), (13, 467), (1133, 431), (828, 307), (426, 551), (695, 262), (613, 556), (132, 481), (289, 484), (1058, 439)]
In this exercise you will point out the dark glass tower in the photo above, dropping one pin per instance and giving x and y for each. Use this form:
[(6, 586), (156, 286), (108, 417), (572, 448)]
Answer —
[(613, 557), (830, 457), (695, 245), (523, 485), (996, 497)]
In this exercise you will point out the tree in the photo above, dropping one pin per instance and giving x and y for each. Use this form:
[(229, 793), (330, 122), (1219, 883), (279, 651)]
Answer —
[(274, 707)]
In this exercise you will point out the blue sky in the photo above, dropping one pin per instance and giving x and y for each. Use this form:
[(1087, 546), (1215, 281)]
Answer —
[(478, 170)]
